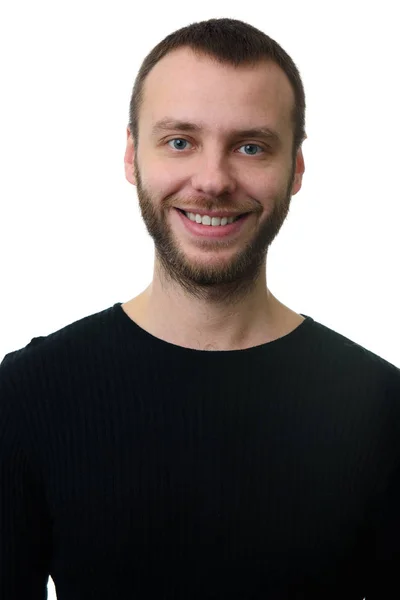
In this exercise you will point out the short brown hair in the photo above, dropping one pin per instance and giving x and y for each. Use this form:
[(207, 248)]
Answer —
[(231, 42)]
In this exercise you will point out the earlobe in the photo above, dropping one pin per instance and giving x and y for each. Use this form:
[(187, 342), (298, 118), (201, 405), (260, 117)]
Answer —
[(296, 184), (129, 159), (300, 168)]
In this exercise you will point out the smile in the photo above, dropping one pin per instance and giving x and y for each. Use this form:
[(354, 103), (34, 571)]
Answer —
[(207, 226)]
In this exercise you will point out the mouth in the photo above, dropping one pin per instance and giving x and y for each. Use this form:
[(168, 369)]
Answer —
[(222, 227), (232, 217)]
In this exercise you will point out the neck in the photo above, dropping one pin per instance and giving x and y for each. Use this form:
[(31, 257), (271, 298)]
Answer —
[(169, 313)]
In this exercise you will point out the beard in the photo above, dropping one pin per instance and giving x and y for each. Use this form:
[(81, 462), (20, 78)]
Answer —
[(224, 282)]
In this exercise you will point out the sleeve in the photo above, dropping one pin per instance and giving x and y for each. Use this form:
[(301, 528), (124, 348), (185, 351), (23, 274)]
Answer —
[(383, 573), (24, 527)]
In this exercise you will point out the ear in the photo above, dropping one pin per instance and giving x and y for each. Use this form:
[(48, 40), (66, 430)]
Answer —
[(129, 157), (299, 171)]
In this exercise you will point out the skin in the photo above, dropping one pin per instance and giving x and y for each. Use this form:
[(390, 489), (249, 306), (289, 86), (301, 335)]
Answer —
[(212, 293)]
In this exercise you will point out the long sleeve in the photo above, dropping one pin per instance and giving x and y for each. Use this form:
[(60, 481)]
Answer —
[(383, 576), (24, 528), (135, 468)]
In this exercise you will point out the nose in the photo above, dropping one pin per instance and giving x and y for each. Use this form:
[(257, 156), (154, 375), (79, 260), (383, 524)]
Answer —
[(213, 176)]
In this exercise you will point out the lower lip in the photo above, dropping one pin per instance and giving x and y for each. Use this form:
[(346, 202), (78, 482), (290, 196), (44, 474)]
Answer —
[(210, 231)]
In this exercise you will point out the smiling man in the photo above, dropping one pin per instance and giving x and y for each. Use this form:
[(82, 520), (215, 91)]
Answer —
[(212, 151), (134, 462)]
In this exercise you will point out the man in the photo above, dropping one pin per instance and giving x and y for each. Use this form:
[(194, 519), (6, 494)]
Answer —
[(137, 464)]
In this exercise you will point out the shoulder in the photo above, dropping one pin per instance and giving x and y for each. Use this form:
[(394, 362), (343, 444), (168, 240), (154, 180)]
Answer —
[(344, 364), (73, 336), (332, 343), (31, 368)]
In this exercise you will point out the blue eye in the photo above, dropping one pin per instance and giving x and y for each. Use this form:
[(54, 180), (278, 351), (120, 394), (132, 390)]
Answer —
[(251, 147), (179, 143)]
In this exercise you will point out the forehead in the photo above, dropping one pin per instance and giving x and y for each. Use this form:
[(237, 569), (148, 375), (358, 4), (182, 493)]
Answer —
[(188, 86)]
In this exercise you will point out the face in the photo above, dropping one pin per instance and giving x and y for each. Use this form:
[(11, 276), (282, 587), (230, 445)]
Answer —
[(214, 138)]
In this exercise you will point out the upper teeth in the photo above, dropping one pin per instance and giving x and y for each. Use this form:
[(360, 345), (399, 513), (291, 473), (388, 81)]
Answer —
[(206, 220)]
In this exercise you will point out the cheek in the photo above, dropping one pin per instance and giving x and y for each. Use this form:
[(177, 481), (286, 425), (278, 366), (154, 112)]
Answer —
[(266, 188), (161, 179)]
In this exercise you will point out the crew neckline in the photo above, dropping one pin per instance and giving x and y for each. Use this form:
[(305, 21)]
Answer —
[(148, 337)]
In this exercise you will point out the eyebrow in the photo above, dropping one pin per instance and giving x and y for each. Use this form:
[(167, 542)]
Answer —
[(255, 132)]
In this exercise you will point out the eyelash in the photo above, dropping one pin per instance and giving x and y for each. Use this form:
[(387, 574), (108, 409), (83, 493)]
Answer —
[(187, 141)]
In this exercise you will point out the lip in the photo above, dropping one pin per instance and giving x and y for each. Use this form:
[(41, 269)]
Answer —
[(204, 212), (208, 231)]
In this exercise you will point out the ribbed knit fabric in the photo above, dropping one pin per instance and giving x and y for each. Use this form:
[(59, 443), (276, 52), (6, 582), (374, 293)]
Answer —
[(133, 468)]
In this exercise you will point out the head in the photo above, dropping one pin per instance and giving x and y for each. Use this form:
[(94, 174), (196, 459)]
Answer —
[(216, 123)]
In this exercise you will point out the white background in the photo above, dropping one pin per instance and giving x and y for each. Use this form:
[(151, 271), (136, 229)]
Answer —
[(72, 241)]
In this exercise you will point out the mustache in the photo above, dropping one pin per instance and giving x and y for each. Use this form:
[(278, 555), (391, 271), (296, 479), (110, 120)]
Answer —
[(211, 204)]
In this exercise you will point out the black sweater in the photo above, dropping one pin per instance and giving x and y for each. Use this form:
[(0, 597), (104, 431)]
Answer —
[(133, 468)]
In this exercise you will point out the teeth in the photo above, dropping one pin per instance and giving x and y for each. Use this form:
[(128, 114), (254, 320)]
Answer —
[(213, 221)]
